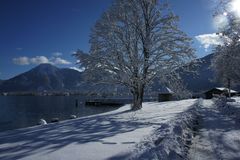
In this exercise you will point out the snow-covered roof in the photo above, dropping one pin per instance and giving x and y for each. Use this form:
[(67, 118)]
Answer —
[(225, 89), (165, 90)]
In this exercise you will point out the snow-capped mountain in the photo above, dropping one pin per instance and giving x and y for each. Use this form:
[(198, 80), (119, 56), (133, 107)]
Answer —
[(43, 77)]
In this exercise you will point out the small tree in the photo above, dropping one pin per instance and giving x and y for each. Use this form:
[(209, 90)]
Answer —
[(227, 56), (134, 42)]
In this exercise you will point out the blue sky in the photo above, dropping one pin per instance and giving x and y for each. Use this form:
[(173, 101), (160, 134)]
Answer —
[(35, 31)]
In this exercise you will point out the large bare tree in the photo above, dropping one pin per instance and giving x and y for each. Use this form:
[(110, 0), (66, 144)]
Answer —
[(134, 42)]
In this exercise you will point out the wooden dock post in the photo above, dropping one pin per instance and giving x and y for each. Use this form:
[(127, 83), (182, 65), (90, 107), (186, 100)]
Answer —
[(76, 102)]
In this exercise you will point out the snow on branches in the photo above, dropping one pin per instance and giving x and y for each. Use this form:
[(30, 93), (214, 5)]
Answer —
[(135, 42), (227, 55)]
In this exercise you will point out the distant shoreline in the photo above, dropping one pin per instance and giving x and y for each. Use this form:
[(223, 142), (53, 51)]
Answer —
[(63, 93)]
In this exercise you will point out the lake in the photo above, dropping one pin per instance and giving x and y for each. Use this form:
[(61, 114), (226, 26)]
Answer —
[(24, 111)]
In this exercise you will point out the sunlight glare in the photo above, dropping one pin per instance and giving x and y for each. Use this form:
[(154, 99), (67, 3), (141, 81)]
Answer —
[(235, 7)]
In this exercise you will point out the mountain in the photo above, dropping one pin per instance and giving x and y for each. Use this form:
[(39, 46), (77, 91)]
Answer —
[(204, 79), (50, 78), (43, 77), (196, 82)]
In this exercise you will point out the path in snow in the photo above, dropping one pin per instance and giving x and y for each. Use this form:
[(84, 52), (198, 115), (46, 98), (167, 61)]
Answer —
[(218, 137)]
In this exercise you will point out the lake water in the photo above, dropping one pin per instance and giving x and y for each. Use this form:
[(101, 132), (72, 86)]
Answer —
[(24, 111)]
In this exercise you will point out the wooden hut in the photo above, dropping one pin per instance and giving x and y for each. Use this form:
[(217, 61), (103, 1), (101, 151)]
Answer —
[(218, 91), (165, 94)]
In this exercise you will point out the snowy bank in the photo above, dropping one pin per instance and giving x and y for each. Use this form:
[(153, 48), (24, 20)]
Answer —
[(217, 137), (163, 128), (172, 140)]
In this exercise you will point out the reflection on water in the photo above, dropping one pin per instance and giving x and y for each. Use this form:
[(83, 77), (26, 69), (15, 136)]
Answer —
[(24, 111)]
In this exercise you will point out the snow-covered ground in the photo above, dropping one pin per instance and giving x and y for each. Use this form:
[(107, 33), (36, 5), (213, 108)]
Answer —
[(158, 131), (218, 137)]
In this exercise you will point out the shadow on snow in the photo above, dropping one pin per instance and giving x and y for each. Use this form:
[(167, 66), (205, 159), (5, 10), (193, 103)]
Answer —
[(49, 138)]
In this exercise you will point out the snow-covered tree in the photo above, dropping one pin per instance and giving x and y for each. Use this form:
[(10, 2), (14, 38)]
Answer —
[(134, 42), (227, 56)]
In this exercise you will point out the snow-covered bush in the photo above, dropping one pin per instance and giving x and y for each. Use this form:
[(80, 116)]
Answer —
[(220, 101), (231, 100), (229, 107)]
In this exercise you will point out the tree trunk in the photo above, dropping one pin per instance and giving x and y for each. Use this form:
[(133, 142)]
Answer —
[(137, 98)]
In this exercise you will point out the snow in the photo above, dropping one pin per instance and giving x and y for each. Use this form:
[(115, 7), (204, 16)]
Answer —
[(226, 89), (164, 130), (165, 90), (171, 140), (121, 134), (218, 135), (42, 122)]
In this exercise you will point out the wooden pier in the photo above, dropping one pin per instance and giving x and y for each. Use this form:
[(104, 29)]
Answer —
[(106, 102), (112, 101)]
